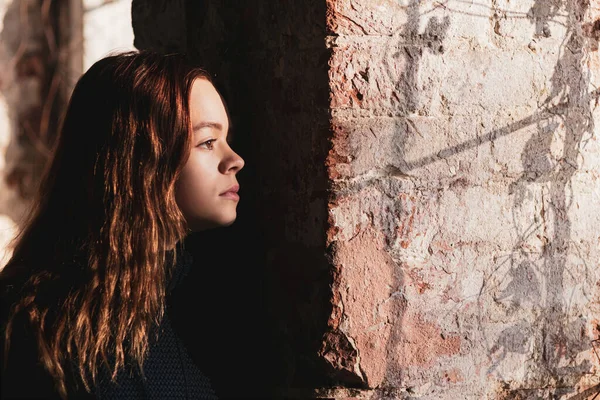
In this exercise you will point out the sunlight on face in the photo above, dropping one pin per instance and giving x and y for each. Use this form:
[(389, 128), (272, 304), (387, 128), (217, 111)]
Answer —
[(210, 171)]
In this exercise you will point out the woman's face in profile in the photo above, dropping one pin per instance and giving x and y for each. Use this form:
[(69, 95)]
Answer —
[(210, 172)]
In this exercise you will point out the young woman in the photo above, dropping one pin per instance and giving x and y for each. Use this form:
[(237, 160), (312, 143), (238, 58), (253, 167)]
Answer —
[(142, 160)]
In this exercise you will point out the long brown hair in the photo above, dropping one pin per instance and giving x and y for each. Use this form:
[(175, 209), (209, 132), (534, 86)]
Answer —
[(89, 269)]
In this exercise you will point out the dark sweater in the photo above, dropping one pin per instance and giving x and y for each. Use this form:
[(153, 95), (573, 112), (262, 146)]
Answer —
[(169, 371)]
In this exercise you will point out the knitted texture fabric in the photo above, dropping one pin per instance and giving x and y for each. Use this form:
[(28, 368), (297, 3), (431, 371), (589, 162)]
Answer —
[(169, 371), (169, 374)]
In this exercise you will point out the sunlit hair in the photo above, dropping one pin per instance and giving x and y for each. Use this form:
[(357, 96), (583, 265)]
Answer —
[(90, 267)]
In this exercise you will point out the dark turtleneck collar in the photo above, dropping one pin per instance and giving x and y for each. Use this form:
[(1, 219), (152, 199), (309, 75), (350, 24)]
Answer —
[(182, 267)]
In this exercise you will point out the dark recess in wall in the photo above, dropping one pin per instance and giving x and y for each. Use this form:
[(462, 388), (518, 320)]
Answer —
[(259, 292)]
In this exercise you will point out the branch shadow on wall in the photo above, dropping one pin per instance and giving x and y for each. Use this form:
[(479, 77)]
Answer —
[(554, 332), (556, 336), (410, 45)]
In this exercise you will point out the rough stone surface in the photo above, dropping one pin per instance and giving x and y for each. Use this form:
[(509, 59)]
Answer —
[(160, 25), (422, 182), (464, 221)]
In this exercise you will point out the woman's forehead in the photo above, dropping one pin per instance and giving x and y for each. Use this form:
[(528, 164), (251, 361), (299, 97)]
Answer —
[(206, 105)]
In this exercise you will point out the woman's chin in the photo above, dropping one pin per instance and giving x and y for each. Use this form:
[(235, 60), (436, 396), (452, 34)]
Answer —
[(212, 224)]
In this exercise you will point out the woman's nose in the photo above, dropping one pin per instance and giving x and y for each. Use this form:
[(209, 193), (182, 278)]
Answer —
[(234, 162), (238, 162)]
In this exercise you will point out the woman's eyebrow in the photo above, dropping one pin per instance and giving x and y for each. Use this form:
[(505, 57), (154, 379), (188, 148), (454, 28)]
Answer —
[(215, 125), (207, 124)]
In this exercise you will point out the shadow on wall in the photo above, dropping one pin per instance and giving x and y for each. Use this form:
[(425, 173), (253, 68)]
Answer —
[(409, 44), (554, 333), (261, 286)]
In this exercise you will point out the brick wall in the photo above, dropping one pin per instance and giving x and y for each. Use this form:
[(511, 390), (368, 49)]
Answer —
[(466, 216), (421, 189)]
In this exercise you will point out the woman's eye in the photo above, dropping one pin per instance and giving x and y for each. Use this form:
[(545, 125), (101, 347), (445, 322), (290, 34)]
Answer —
[(209, 144)]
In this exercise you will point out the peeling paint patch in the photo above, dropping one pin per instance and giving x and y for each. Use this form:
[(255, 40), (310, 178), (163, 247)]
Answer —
[(453, 376), (423, 342)]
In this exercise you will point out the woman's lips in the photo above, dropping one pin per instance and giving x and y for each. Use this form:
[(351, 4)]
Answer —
[(231, 195)]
